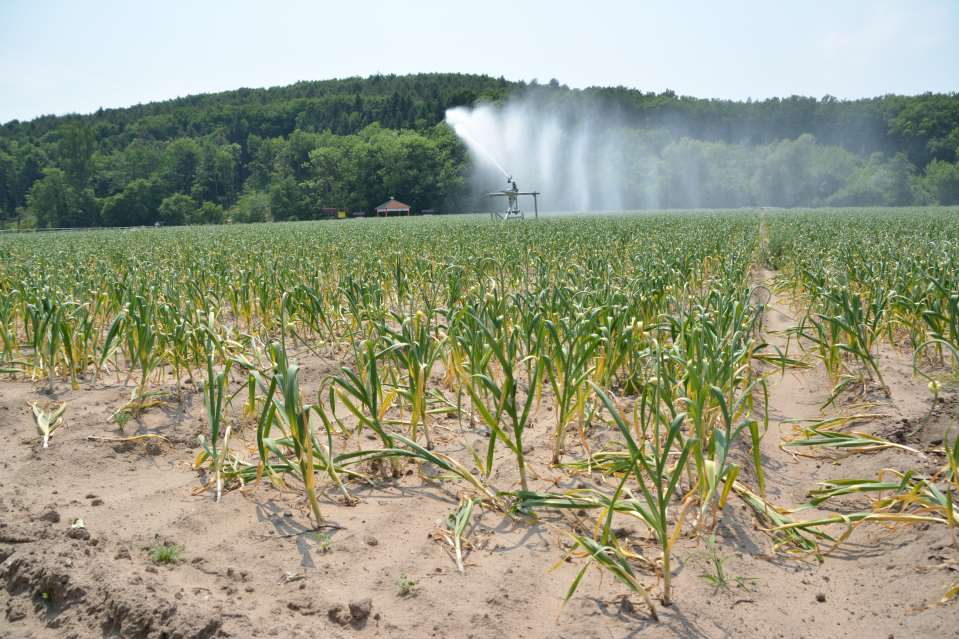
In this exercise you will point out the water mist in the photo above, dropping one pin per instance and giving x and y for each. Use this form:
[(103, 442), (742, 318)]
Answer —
[(572, 152)]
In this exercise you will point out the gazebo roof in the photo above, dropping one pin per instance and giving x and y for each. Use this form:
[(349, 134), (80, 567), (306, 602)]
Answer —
[(393, 204)]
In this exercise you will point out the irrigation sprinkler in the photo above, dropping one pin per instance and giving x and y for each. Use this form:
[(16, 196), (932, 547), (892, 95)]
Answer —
[(512, 194)]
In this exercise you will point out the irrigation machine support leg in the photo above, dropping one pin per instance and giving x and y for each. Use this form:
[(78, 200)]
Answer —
[(535, 207)]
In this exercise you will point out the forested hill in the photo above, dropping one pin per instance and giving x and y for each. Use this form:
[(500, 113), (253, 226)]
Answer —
[(286, 152)]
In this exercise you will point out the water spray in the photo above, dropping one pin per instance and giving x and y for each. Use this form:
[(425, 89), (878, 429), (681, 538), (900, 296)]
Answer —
[(512, 193), (575, 152), (461, 130)]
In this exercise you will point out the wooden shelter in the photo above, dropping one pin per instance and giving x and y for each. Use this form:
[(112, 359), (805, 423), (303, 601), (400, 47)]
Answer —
[(394, 206)]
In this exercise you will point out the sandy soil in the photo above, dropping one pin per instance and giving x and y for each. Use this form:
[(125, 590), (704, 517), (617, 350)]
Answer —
[(250, 566)]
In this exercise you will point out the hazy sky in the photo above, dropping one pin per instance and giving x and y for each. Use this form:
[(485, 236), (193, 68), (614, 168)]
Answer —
[(75, 56)]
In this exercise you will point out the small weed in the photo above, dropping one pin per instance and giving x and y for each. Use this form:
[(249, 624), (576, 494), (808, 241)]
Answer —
[(324, 542), (121, 418), (165, 553), (719, 577), (406, 586)]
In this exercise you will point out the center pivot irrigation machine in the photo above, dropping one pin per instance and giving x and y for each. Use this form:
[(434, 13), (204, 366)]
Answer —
[(512, 194)]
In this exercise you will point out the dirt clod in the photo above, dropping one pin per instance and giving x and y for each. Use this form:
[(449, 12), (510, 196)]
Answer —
[(78, 532), (51, 516), (305, 609), (338, 614), (16, 610), (360, 609)]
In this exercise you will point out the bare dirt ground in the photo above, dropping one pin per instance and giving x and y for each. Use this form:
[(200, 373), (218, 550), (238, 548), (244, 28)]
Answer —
[(251, 566)]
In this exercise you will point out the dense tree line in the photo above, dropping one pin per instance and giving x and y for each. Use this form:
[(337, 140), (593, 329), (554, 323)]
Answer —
[(286, 152)]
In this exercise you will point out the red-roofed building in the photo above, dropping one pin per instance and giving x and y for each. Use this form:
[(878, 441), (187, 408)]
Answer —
[(394, 206)]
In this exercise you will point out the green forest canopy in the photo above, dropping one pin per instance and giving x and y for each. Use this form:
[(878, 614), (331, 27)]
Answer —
[(286, 152)]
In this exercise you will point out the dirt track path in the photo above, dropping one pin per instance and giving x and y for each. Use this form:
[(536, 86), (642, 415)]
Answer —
[(877, 584)]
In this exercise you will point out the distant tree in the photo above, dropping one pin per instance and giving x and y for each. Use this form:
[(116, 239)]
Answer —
[(290, 200), (217, 175), (264, 162), (8, 177), (178, 168), (296, 154), (136, 205), (54, 202), (139, 160), (77, 144), (898, 186), (209, 213), (252, 207), (29, 162), (51, 199), (878, 182), (177, 209), (941, 181), (927, 126)]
